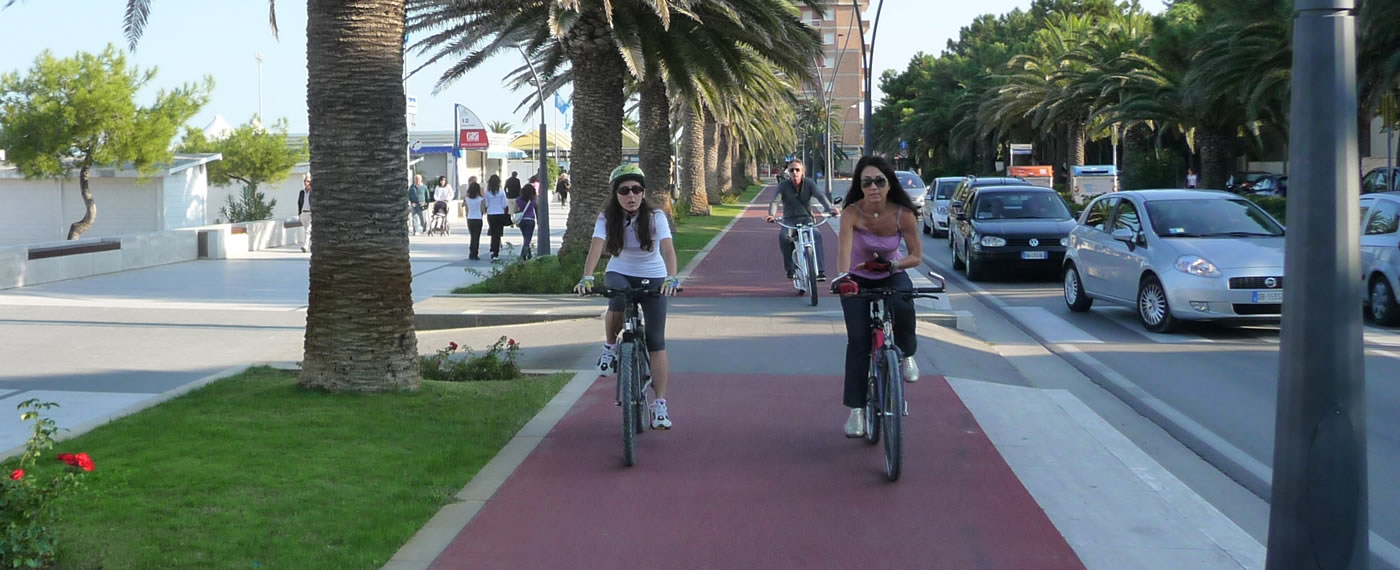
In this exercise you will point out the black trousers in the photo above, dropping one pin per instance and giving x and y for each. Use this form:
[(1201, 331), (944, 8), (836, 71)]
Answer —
[(474, 226), (857, 312), (497, 223)]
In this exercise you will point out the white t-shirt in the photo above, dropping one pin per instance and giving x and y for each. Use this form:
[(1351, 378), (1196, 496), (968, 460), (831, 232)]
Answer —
[(495, 203), (442, 193), (634, 261), (475, 207)]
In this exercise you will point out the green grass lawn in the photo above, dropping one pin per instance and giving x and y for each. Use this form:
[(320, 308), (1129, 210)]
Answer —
[(550, 274), (253, 472)]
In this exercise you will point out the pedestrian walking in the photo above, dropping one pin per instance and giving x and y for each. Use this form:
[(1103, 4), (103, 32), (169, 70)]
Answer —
[(418, 198), (497, 217), (525, 208), (562, 188), (513, 186), (1191, 179), (304, 210), (476, 212)]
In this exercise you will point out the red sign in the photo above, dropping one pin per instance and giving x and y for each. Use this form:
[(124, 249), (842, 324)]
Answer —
[(473, 139)]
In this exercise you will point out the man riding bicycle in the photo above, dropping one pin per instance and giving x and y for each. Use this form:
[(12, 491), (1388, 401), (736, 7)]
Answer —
[(795, 197), (637, 236)]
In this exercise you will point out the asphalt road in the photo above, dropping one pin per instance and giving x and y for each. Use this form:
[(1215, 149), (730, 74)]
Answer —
[(1222, 379)]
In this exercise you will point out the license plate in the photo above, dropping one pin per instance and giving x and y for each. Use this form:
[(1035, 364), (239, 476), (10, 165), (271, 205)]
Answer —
[(1034, 255), (1268, 296)]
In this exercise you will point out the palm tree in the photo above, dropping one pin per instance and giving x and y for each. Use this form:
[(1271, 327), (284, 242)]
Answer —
[(359, 318), (501, 127)]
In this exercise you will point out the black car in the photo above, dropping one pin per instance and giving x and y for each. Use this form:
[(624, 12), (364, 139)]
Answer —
[(1021, 226), (964, 191)]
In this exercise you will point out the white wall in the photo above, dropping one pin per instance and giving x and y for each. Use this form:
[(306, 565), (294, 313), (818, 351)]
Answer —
[(185, 198), (284, 191), (35, 211)]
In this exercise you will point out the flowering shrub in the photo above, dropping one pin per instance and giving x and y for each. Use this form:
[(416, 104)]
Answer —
[(497, 363), (27, 512)]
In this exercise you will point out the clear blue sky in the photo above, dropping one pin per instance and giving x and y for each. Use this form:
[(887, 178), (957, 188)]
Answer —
[(187, 39)]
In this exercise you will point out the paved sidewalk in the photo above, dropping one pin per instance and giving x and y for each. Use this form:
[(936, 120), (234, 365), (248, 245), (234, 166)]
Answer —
[(100, 344), (757, 474)]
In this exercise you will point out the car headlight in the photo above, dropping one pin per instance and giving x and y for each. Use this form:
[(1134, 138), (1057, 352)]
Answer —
[(943, 210), (992, 241), (1064, 241), (1196, 265)]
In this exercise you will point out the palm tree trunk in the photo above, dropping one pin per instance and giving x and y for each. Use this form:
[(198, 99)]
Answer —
[(1076, 142), (738, 164), (359, 318), (1215, 144), (712, 188), (694, 179), (655, 139), (598, 111), (988, 155), (1137, 148), (724, 170), (89, 205)]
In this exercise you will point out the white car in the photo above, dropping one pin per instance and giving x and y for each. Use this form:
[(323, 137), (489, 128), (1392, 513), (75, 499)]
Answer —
[(935, 213), (1380, 255), (1177, 255)]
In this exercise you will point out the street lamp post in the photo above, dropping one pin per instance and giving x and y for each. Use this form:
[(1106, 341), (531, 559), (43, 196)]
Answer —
[(868, 55), (541, 205), (1318, 509), (260, 83)]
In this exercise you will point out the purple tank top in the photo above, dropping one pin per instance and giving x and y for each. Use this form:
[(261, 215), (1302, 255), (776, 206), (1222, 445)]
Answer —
[(866, 245)]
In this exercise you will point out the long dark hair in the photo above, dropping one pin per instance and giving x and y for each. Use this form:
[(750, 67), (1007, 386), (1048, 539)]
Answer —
[(616, 217), (441, 181), (493, 184), (474, 190), (527, 193), (895, 194)]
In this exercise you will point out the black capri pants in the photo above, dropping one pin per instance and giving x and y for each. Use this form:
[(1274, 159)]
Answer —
[(653, 308)]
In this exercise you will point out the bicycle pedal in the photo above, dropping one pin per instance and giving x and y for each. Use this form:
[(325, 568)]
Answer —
[(906, 407)]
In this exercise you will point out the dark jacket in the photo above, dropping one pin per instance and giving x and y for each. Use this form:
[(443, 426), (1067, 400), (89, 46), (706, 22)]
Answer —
[(301, 202), (513, 187), (797, 202)]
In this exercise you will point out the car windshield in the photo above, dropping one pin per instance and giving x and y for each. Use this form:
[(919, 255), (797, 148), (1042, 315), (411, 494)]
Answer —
[(1207, 217), (909, 181), (945, 189), (1021, 205)]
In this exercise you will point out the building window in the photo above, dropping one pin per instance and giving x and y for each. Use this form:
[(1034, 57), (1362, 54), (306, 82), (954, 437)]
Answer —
[(829, 38)]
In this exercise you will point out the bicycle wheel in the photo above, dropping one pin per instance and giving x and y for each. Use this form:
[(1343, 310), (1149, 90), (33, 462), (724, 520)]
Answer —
[(872, 405), (799, 273), (811, 275), (893, 416), (643, 399), (627, 376)]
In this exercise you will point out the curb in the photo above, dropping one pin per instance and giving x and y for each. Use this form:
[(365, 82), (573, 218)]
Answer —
[(155, 399), (438, 533)]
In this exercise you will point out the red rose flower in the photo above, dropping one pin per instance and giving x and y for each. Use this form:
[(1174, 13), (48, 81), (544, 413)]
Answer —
[(68, 458), (80, 460), (452, 345), (512, 342), (17, 475)]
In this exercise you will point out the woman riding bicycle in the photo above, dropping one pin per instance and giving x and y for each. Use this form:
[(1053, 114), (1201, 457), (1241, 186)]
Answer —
[(869, 258), (638, 237)]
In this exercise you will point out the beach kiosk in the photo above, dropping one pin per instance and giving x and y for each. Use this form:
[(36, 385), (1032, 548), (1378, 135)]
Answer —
[(1035, 175), (1088, 181)]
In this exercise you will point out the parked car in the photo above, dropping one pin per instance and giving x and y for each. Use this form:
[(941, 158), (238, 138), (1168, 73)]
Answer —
[(914, 186), (1177, 255), (1023, 226), (1274, 185), (935, 215), (1380, 180), (1380, 255), (963, 191), (1242, 182)]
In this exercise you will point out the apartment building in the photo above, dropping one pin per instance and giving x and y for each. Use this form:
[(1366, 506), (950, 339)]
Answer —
[(842, 70)]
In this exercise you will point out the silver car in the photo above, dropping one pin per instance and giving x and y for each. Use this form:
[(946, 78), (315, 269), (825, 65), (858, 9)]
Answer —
[(935, 214), (1380, 255), (913, 186), (1177, 255)]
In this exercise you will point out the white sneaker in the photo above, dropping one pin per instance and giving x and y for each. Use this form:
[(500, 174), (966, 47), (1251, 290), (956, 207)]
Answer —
[(855, 425), (607, 361), (660, 416), (910, 369)]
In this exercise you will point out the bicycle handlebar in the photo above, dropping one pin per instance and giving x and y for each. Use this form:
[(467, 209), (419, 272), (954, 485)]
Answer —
[(882, 292), (637, 292)]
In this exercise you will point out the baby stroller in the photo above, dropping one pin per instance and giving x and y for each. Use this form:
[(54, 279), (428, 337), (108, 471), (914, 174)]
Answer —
[(438, 224)]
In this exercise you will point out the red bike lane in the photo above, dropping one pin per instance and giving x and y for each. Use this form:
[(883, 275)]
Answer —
[(747, 262), (756, 472)]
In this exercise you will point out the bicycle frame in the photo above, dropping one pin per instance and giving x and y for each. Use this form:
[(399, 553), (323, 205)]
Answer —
[(634, 330), (805, 240)]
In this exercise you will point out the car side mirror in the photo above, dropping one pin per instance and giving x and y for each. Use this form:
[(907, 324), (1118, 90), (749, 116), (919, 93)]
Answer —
[(957, 204), (961, 216), (1125, 235)]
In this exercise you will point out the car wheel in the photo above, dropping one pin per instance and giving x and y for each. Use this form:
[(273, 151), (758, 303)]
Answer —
[(1384, 308), (975, 271), (1075, 296), (957, 261), (1153, 309), (927, 230)]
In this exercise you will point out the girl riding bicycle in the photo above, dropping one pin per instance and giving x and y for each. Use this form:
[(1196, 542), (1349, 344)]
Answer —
[(638, 237), (869, 258)]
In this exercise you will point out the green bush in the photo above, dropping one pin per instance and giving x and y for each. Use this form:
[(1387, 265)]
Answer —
[(251, 206), (1275, 206), (545, 275), (497, 363)]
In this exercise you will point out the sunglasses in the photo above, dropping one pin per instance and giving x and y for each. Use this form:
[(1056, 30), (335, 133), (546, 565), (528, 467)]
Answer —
[(879, 182), (630, 189), (795, 170)]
